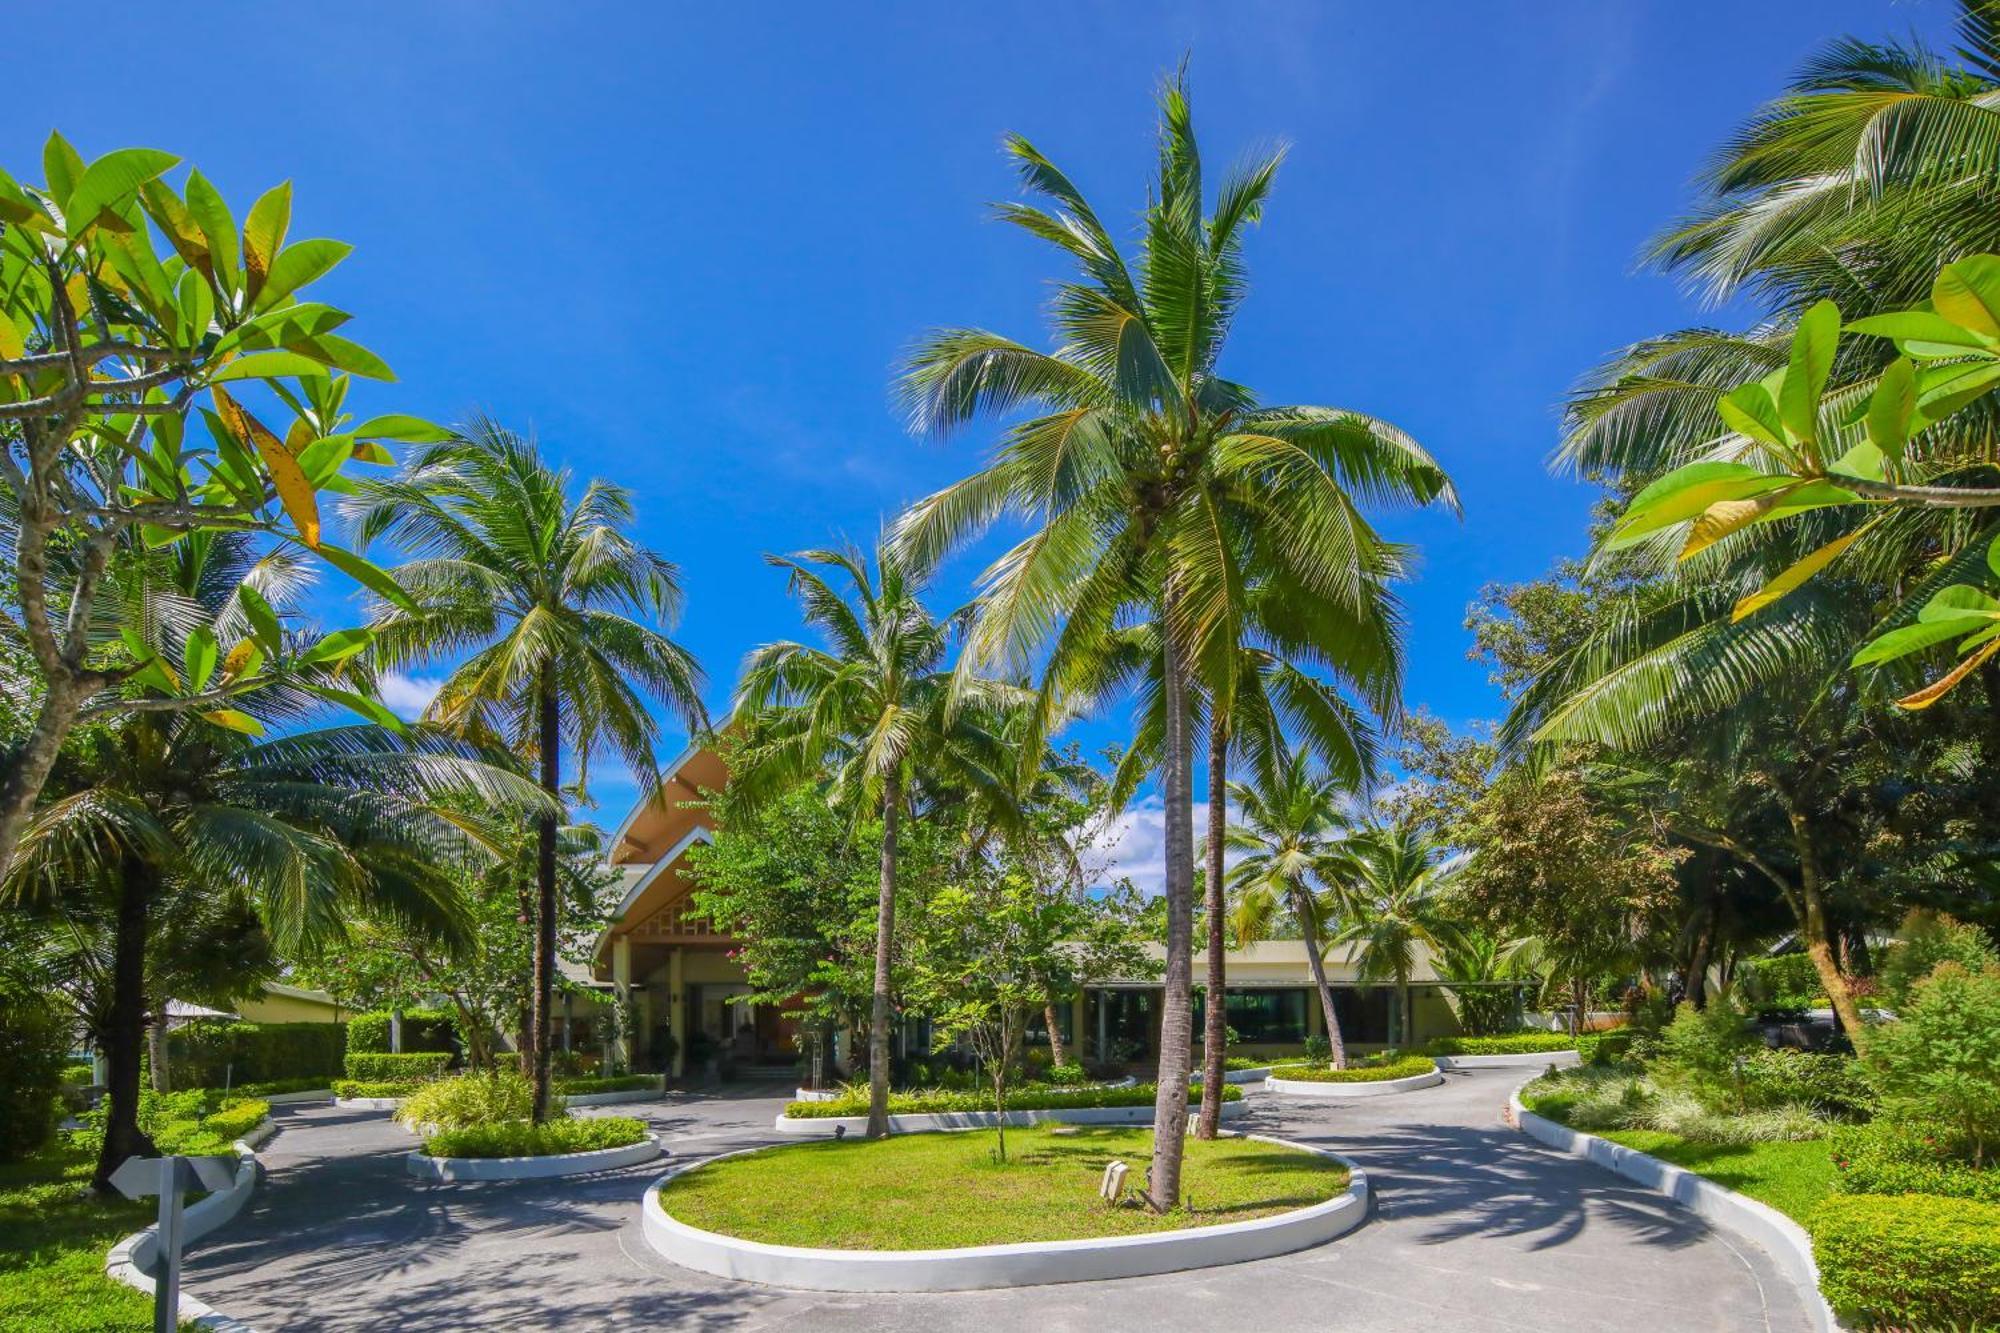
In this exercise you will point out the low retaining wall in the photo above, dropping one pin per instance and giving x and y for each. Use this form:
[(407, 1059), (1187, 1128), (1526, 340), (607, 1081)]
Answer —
[(1386, 1087), (463, 1170), (294, 1098), (132, 1260), (1257, 1075), (1032, 1263), (806, 1127), (1783, 1239), (1512, 1060), (369, 1103)]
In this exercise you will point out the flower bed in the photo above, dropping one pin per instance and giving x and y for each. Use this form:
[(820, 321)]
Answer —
[(1510, 1043), (1408, 1066), (940, 1101), (520, 1138)]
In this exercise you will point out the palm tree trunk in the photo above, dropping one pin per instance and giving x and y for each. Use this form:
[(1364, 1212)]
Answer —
[(127, 1028), (1177, 1000), (550, 742), (1310, 938), (1049, 1016), (1818, 931), (156, 1052), (885, 935), (1215, 1035)]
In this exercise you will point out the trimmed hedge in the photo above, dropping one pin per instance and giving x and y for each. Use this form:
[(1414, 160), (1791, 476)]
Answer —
[(618, 1083), (1408, 1066), (465, 1100), (520, 1138), (941, 1101), (209, 1052), (351, 1087), (374, 1067), (1507, 1043), (1909, 1260), (1604, 1048), (1901, 1157), (34, 1048), (423, 1030)]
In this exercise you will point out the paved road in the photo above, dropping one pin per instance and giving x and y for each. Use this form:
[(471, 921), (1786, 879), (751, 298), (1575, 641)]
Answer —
[(1476, 1230)]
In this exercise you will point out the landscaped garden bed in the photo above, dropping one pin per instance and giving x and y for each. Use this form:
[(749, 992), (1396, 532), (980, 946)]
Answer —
[(1504, 1049), (943, 1212), (477, 1127), (1376, 1077), (941, 1108)]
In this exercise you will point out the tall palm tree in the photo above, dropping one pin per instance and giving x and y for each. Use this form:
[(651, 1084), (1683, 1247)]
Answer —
[(1391, 882), (874, 714), (558, 609), (180, 812), (1291, 826), (1152, 483)]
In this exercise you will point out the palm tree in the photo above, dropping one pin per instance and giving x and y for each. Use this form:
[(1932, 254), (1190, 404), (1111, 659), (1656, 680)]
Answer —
[(1152, 483), (876, 711), (557, 607), (184, 813), (1291, 826), (1391, 884)]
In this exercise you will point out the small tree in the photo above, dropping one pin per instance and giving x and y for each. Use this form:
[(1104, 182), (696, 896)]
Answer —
[(1941, 1061), (1705, 1048), (1926, 940)]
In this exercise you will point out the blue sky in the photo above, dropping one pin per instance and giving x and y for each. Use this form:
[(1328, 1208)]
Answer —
[(687, 244)]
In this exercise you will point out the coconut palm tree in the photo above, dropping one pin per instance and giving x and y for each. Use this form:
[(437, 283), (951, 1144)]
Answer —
[(1391, 884), (192, 814), (556, 610), (876, 714), (1291, 826), (1151, 481)]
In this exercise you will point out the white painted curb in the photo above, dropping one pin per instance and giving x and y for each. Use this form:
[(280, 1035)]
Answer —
[(369, 1103), (1257, 1075), (132, 1259), (1033, 1263), (651, 1094), (1783, 1239), (1386, 1087), (294, 1098), (439, 1170), (1511, 1060), (824, 1126), (815, 1095)]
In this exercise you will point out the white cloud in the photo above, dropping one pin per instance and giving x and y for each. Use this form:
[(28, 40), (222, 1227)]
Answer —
[(1135, 845), (408, 696)]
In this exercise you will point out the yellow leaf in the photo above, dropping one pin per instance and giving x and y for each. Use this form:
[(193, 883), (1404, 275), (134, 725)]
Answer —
[(295, 491), (1724, 517), (1937, 689), (1798, 573), (11, 344), (371, 451), (236, 720), (243, 657), (79, 294)]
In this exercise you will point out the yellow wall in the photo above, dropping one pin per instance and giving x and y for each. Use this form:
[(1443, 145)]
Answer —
[(274, 1008)]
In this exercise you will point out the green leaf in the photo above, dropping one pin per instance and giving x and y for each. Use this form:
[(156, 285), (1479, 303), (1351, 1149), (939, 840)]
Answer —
[(1686, 492), (62, 167), (1798, 573), (1942, 390), (1909, 639), (342, 643), (1923, 328), (1750, 410), (298, 265), (397, 426), (206, 206), (1968, 293), (1958, 601), (1863, 461), (266, 366), (236, 720), (264, 234), (111, 180), (367, 574), (1813, 346), (1993, 556), (1891, 406), (263, 620), (360, 703), (343, 354), (199, 656)]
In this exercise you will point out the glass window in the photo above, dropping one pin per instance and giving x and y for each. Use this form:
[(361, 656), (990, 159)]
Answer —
[(1263, 1016)]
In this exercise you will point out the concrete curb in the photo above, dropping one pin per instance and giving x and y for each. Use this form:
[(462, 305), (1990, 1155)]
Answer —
[(1512, 1060), (369, 1103), (815, 1095), (651, 1094), (295, 1098), (825, 1126), (132, 1259), (1029, 1264), (470, 1170), (1387, 1087), (1257, 1075), (1779, 1236)]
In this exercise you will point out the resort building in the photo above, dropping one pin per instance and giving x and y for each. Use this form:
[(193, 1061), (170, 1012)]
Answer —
[(684, 991)]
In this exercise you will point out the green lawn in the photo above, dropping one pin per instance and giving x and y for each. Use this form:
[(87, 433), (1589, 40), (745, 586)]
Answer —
[(53, 1236), (1792, 1177), (935, 1191)]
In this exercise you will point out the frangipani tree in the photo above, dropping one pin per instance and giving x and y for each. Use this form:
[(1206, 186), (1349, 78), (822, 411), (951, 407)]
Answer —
[(145, 340)]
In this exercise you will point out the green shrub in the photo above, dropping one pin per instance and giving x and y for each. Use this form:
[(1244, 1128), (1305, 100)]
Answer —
[(470, 1099), (578, 1087), (1068, 1074), (1319, 1048), (519, 1138), (1837, 1084), (1891, 1156), (80, 1075), (209, 1052), (283, 1085), (1702, 1049), (1909, 1260), (398, 1068), (351, 1087), (941, 1101), (1929, 940), (1234, 1063), (1941, 1060), (34, 1047), (1506, 1043), (423, 1030), (1609, 1047), (1786, 983), (1407, 1066)]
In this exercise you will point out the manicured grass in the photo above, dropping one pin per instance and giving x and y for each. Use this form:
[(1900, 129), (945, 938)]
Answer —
[(936, 1191), (53, 1236), (1790, 1176)]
